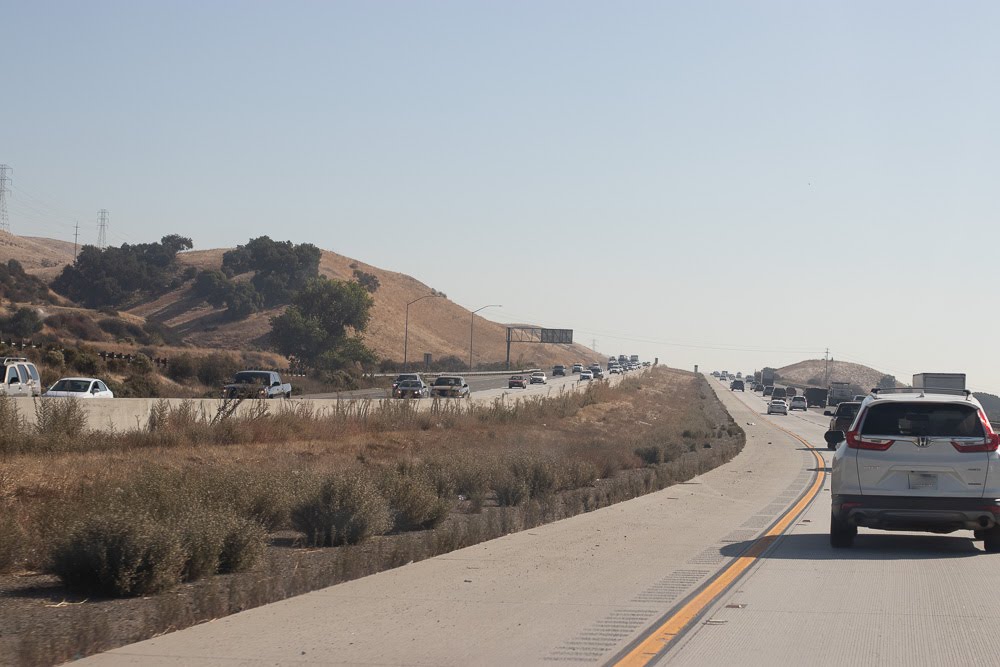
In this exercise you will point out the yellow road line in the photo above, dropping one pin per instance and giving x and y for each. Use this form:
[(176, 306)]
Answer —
[(668, 630)]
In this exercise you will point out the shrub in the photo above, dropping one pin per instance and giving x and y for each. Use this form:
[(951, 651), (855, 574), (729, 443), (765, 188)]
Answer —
[(181, 367), (346, 509), (243, 545), (11, 426), (651, 455), (216, 369), (85, 363), (511, 491), (62, 419), (77, 325), (202, 534), (11, 539), (539, 474), (54, 358), (121, 555), (414, 502)]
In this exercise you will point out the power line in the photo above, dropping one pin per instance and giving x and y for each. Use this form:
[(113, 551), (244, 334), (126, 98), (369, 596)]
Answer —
[(4, 179)]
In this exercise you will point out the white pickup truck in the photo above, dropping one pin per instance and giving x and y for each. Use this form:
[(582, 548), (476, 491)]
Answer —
[(257, 384)]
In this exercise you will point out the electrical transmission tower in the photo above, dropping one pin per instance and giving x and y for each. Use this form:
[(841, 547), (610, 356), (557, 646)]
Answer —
[(4, 180), (102, 228)]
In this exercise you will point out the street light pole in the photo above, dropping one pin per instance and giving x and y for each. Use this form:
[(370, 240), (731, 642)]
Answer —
[(472, 325), (406, 328)]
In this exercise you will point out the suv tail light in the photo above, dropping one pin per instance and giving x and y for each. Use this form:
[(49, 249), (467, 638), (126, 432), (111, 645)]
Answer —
[(855, 441), (989, 444)]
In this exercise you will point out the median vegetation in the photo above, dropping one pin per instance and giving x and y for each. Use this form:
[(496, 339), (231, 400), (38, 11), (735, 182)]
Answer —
[(285, 498)]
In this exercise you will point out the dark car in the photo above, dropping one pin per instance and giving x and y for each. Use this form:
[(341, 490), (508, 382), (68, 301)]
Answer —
[(450, 386), (843, 417), (768, 391), (517, 381), (410, 389), (558, 370), (736, 385)]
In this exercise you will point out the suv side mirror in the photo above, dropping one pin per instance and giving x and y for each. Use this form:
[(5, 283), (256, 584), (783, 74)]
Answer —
[(834, 437), (827, 413), (275, 384)]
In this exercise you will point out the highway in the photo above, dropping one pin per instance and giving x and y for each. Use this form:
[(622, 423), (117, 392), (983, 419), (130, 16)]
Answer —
[(733, 567), (477, 383)]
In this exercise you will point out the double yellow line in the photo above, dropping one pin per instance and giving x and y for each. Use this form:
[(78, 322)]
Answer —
[(659, 639)]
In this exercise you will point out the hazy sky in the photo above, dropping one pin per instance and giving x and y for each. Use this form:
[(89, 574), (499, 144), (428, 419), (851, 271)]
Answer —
[(733, 184)]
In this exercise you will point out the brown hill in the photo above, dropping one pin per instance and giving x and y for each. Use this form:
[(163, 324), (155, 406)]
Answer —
[(436, 325), (813, 372), (39, 256)]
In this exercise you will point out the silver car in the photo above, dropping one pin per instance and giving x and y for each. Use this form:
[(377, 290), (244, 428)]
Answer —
[(777, 407)]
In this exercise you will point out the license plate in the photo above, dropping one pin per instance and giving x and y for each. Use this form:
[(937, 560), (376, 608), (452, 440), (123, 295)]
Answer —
[(923, 480)]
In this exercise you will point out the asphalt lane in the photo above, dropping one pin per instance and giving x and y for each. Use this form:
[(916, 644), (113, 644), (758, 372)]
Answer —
[(579, 590), (892, 599)]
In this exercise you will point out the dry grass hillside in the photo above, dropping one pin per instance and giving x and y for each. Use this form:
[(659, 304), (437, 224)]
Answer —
[(39, 256), (437, 325), (813, 372)]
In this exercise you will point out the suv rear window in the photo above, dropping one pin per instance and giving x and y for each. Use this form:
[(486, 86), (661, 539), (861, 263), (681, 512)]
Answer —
[(848, 409), (923, 419)]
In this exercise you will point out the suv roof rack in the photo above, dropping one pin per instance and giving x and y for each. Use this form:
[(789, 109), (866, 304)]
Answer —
[(922, 390), (8, 360)]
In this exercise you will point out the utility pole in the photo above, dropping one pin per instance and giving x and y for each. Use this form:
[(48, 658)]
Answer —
[(76, 238), (4, 180), (826, 358), (102, 228)]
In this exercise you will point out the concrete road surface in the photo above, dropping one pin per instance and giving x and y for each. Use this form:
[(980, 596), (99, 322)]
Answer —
[(601, 587)]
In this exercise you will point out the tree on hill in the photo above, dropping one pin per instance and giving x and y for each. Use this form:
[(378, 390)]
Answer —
[(113, 276), (22, 323), (321, 326), (367, 280), (887, 382), (280, 268)]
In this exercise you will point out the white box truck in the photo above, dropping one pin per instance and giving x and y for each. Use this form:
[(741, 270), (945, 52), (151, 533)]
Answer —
[(931, 381)]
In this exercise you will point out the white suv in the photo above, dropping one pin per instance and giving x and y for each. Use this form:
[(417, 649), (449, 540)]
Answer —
[(916, 461)]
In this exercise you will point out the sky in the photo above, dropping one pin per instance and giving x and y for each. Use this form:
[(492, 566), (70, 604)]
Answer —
[(729, 184)]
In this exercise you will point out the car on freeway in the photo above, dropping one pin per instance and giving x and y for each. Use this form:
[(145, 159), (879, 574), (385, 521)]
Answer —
[(768, 391), (538, 377), (737, 385), (586, 375), (402, 377), (79, 388), (450, 386), (842, 418), (777, 407), (615, 370), (798, 403), (916, 460), (558, 370), (20, 378), (597, 372), (577, 368), (411, 389), (715, 374), (517, 381)]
